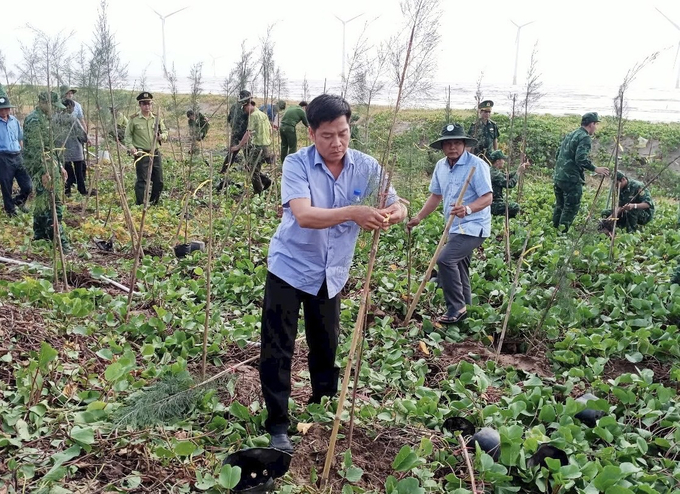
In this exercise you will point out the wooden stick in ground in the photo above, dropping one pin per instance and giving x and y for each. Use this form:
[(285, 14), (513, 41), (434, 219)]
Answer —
[(440, 246), (207, 277), (471, 471), (512, 296), (138, 251)]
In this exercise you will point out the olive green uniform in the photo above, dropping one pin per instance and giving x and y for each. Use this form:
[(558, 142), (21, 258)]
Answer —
[(499, 182), (140, 134), (633, 193), (40, 158), (294, 115), (486, 134), (573, 158), (120, 122), (257, 150)]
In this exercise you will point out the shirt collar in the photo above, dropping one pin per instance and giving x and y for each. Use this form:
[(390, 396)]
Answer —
[(347, 160), (462, 161)]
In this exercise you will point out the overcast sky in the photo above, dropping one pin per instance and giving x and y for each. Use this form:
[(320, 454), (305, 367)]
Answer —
[(580, 42)]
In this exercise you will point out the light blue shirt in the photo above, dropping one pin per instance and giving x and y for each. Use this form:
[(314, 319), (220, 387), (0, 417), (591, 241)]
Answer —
[(448, 181), (304, 257), (10, 135), (78, 110)]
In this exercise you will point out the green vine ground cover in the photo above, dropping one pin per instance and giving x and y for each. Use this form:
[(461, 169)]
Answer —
[(83, 395)]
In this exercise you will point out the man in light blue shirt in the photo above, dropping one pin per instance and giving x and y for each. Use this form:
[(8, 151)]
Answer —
[(68, 93), (472, 222), (11, 162), (324, 191)]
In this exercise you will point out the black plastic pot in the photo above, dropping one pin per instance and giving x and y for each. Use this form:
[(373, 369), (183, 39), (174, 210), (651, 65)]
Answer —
[(259, 468), (489, 441), (589, 416), (182, 250), (456, 424), (547, 451)]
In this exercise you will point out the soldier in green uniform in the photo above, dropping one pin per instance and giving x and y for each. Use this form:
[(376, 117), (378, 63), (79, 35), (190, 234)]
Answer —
[(43, 165), (636, 206), (256, 143), (238, 122), (573, 157), (139, 139), (198, 126), (294, 115), (500, 181), (485, 131), (120, 121)]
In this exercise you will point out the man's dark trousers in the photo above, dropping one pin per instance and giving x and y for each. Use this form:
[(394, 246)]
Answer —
[(11, 167), (280, 316), (142, 168)]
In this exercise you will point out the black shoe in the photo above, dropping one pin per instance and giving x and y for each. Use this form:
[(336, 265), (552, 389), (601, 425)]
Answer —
[(446, 319), (281, 442)]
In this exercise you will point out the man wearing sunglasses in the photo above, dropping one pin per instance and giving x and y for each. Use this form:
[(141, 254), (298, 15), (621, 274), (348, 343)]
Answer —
[(140, 134)]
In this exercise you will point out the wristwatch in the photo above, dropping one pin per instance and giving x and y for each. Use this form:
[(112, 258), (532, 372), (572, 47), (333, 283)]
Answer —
[(468, 210)]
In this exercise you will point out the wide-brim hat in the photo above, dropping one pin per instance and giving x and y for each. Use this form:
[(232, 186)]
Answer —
[(4, 102), (497, 155), (244, 96), (452, 132), (53, 98), (65, 89)]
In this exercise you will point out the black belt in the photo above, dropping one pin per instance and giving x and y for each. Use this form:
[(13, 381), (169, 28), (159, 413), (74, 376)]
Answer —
[(11, 153)]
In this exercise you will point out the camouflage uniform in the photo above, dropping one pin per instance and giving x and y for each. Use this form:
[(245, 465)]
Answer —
[(569, 177), (198, 127), (486, 134), (238, 121), (40, 158), (499, 182), (632, 193)]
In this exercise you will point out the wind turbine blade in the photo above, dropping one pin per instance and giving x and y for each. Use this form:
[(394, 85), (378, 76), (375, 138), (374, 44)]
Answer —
[(180, 10), (527, 23), (338, 18), (677, 52), (515, 24), (355, 17), (157, 14), (676, 26)]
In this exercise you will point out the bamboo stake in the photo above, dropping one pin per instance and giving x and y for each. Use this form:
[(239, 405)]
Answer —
[(440, 246), (512, 296), (471, 471), (208, 271)]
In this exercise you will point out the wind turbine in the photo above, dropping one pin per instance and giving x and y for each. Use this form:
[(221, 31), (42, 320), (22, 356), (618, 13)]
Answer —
[(677, 80), (519, 29), (344, 24), (163, 17), (213, 63)]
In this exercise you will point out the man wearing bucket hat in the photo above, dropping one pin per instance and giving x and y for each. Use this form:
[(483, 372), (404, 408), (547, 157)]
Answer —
[(11, 162), (573, 158), (501, 181), (473, 217), (238, 122), (68, 93), (484, 130), (44, 167), (636, 206), (140, 135)]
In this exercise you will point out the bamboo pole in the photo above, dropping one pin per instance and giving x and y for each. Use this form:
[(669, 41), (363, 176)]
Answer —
[(440, 246), (208, 272)]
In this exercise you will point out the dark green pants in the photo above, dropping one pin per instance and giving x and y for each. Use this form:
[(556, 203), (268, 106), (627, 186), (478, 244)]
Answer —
[(498, 209), (288, 141), (567, 203), (630, 219), (43, 225), (142, 168), (255, 156)]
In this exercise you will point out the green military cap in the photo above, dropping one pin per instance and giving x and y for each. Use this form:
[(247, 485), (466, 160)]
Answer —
[(620, 176), (244, 96), (65, 89), (51, 97), (4, 102), (144, 96), (453, 132), (589, 118), (486, 105), (497, 155), (281, 104)]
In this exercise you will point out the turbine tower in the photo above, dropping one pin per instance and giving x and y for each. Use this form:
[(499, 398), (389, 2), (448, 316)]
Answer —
[(163, 17), (344, 24), (677, 51), (519, 29)]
